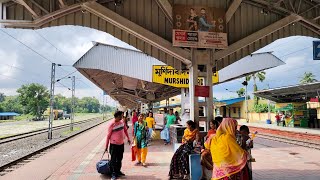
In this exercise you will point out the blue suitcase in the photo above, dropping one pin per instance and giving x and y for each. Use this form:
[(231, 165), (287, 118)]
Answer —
[(103, 166)]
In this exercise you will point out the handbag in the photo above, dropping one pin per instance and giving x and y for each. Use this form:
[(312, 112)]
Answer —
[(163, 134), (103, 166), (133, 151)]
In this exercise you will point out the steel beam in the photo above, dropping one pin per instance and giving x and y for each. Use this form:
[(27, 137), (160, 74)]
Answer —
[(232, 9), (166, 7), (23, 3), (257, 35), (62, 3), (137, 31), (39, 6)]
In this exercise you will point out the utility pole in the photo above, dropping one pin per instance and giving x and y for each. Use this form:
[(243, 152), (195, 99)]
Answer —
[(73, 101), (53, 73), (245, 83), (269, 115), (103, 106)]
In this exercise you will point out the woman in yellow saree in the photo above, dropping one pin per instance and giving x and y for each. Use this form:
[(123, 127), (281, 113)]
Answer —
[(228, 157)]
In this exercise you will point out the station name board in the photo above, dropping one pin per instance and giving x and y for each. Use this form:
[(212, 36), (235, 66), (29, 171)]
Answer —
[(167, 75)]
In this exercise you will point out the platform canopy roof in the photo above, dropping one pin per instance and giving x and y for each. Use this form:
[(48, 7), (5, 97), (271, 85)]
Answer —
[(147, 24), (126, 74), (296, 93)]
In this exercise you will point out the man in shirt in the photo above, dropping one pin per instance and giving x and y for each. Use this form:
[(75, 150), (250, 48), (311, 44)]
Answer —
[(203, 23), (116, 132), (171, 119)]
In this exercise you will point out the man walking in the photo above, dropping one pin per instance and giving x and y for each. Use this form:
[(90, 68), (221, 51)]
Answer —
[(171, 119), (115, 137)]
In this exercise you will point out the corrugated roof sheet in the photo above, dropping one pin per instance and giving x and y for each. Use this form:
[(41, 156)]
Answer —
[(117, 60), (9, 114)]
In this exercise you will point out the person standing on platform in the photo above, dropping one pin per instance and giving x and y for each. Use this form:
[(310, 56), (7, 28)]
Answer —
[(151, 126), (134, 119), (178, 119), (278, 119), (171, 119), (116, 132), (140, 139)]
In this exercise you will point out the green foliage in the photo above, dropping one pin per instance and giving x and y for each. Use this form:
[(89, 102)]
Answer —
[(261, 76), (11, 104), (263, 108), (34, 98), (308, 77), (241, 92)]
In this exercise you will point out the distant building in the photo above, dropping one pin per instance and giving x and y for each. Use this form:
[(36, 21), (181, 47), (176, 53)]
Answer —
[(8, 115)]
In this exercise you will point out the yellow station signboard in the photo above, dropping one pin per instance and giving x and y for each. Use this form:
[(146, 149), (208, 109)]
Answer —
[(177, 78)]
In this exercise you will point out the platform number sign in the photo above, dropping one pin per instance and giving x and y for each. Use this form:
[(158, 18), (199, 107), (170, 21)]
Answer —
[(316, 50)]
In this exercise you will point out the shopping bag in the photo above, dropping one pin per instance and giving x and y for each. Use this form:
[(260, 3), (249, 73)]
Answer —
[(133, 151), (163, 134), (153, 134), (103, 166)]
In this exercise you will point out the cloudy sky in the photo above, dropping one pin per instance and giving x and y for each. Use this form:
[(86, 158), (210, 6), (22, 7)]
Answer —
[(26, 56)]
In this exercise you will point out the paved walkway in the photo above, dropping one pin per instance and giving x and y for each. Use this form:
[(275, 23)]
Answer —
[(76, 159), (275, 127)]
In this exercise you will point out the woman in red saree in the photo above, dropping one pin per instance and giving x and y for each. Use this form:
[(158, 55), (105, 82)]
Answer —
[(228, 157)]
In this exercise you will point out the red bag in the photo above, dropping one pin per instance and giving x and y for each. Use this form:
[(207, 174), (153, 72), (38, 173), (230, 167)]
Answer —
[(133, 152)]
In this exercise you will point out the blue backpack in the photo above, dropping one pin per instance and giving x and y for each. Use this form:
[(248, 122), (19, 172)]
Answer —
[(103, 166)]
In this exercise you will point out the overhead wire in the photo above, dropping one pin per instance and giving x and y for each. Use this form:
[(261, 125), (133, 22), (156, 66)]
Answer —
[(61, 53)]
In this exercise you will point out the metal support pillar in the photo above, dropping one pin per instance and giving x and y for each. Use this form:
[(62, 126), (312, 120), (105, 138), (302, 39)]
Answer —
[(209, 100), (73, 102), (53, 73), (246, 99), (193, 80)]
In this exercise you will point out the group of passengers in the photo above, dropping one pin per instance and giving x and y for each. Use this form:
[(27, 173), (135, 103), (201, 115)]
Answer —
[(225, 154)]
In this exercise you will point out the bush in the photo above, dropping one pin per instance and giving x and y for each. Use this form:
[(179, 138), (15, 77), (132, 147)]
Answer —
[(263, 108)]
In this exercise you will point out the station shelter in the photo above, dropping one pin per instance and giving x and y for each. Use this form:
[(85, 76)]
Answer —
[(299, 103), (8, 115)]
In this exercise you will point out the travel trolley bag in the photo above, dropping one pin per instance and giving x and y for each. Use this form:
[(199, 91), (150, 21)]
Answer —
[(103, 166)]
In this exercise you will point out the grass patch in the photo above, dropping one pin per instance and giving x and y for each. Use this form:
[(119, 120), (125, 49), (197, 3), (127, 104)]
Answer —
[(69, 131), (8, 135)]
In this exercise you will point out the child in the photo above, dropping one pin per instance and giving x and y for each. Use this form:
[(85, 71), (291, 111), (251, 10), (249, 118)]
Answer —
[(213, 127), (247, 144)]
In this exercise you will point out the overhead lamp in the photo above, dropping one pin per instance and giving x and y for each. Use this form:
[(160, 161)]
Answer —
[(245, 83), (118, 2)]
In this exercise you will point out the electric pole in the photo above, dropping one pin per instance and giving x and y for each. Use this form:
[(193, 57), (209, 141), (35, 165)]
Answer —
[(53, 73), (73, 101), (245, 83)]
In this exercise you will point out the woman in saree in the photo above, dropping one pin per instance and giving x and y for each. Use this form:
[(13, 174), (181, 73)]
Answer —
[(141, 139), (228, 157), (179, 167)]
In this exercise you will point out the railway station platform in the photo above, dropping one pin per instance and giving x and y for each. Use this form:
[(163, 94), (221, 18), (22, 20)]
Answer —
[(76, 159)]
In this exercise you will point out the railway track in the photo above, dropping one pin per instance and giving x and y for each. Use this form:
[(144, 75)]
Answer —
[(11, 166), (292, 141), (37, 132)]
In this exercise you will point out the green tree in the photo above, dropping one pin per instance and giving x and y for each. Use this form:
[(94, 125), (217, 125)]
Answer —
[(35, 98), (308, 77), (12, 104), (261, 76), (241, 92)]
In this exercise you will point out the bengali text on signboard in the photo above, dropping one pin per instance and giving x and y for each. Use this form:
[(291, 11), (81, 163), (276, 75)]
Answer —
[(177, 78)]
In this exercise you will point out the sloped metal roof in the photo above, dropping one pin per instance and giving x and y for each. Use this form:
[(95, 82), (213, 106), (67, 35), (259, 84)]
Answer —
[(9, 114), (248, 65), (296, 93), (125, 74)]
